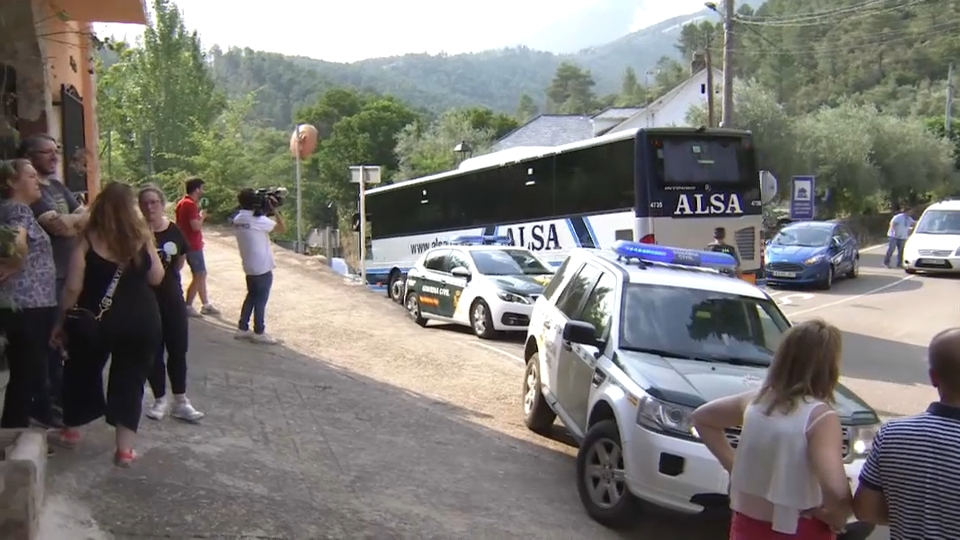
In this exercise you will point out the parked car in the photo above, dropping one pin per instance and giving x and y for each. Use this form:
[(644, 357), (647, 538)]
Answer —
[(481, 282), (934, 246), (812, 253), (624, 345)]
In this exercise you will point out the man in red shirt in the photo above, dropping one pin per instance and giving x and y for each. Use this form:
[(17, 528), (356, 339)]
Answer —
[(189, 219)]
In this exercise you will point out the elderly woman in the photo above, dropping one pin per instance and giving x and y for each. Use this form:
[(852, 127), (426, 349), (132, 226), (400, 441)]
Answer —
[(29, 296)]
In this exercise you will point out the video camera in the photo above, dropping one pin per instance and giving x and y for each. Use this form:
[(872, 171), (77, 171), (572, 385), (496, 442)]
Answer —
[(265, 201)]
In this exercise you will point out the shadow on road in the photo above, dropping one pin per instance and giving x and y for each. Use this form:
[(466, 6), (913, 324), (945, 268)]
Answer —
[(885, 360), (296, 448)]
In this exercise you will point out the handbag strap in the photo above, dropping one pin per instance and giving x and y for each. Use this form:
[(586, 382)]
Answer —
[(107, 299)]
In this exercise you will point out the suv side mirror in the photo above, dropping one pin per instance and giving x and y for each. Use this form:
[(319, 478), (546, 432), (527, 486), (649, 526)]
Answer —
[(460, 272), (580, 332)]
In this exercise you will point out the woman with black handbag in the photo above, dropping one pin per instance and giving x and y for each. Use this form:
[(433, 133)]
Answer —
[(109, 311)]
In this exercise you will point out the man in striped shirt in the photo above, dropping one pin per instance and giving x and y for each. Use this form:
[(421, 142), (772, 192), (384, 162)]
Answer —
[(911, 480)]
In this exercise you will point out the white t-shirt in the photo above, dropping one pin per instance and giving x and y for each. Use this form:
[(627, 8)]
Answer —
[(900, 226), (253, 240)]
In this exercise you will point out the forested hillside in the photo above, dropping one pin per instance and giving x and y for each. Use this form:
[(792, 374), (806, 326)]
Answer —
[(852, 91)]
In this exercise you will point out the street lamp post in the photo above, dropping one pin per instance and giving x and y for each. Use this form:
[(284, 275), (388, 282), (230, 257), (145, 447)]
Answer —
[(463, 150)]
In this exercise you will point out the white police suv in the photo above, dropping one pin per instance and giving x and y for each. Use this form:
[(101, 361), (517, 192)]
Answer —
[(624, 344), (480, 281)]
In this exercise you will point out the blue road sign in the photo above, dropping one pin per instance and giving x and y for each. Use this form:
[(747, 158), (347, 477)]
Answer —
[(802, 198)]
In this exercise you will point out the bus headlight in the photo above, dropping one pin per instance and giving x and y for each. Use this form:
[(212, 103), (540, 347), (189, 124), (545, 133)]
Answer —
[(513, 298), (667, 418)]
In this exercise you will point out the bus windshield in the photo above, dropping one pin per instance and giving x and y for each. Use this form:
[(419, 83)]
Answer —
[(690, 160)]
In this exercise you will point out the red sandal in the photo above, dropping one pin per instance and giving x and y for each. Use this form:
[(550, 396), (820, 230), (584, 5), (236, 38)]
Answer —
[(68, 438), (124, 458)]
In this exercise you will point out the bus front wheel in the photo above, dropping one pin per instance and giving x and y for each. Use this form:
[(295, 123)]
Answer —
[(395, 287)]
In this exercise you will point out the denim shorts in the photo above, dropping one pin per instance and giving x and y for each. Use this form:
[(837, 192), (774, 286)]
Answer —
[(196, 262)]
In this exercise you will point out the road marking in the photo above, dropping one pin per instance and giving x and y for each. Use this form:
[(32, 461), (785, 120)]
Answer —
[(851, 298), (873, 247), (502, 352), (786, 300)]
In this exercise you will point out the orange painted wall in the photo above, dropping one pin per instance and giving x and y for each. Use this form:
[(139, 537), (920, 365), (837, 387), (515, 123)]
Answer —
[(67, 52)]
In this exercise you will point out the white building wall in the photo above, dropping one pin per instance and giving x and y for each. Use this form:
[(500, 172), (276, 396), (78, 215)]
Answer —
[(673, 110)]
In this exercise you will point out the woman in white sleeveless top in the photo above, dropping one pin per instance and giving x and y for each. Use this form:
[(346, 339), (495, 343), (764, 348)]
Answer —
[(786, 476)]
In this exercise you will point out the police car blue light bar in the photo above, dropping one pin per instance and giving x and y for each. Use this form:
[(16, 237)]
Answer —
[(481, 240), (669, 255)]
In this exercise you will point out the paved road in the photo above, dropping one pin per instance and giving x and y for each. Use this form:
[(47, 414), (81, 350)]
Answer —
[(363, 425)]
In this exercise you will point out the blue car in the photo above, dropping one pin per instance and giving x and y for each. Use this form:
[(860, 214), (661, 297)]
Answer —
[(811, 253)]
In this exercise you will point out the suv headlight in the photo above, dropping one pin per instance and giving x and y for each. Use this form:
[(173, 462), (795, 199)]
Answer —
[(511, 297), (861, 440), (666, 417), (814, 260)]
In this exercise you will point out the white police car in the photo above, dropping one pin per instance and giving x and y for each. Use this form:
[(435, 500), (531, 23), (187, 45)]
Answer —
[(479, 281), (623, 345)]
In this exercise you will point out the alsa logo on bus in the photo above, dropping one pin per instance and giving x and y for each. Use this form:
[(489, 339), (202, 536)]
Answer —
[(538, 237), (702, 204)]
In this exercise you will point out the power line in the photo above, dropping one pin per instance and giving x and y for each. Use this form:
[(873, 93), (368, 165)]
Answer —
[(882, 38), (832, 13), (831, 19)]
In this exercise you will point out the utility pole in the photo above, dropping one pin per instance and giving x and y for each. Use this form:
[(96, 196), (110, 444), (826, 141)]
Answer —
[(709, 59), (948, 117), (728, 14)]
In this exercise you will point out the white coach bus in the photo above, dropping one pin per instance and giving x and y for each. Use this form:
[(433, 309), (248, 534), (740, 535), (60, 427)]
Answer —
[(658, 185)]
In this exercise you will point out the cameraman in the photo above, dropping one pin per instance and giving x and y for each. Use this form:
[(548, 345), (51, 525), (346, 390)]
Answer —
[(253, 227)]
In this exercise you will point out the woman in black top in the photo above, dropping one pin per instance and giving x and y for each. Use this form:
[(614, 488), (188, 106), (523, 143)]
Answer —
[(172, 249), (112, 272)]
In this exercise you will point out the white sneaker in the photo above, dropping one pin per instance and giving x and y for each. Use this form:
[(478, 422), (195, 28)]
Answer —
[(264, 338), (183, 410), (192, 312), (242, 334), (209, 309), (159, 409)]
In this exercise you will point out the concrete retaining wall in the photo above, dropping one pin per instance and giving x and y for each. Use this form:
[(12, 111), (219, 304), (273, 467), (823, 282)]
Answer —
[(22, 477)]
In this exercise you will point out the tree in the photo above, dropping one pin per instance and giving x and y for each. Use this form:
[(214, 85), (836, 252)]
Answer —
[(697, 37), (231, 154), (359, 136), (429, 150), (632, 93), (571, 91), (868, 159), (938, 126), (772, 128), (157, 94), (669, 75), (483, 119), (527, 109)]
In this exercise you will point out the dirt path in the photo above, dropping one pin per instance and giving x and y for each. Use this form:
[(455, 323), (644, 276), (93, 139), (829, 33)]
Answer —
[(359, 425)]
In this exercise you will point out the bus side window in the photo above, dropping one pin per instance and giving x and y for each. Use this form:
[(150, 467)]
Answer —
[(595, 179)]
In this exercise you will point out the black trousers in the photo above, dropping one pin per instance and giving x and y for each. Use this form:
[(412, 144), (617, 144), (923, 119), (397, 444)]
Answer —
[(131, 358), (176, 331), (27, 331)]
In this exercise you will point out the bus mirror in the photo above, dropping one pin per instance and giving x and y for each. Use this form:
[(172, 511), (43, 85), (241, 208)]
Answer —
[(768, 187)]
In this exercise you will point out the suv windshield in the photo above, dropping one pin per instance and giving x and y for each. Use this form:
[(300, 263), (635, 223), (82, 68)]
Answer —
[(702, 325), (803, 237), (508, 262), (939, 222)]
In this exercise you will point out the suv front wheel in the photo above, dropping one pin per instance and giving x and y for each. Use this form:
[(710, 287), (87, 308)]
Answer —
[(602, 478)]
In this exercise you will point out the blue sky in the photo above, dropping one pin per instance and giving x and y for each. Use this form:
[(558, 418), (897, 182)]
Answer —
[(345, 31)]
